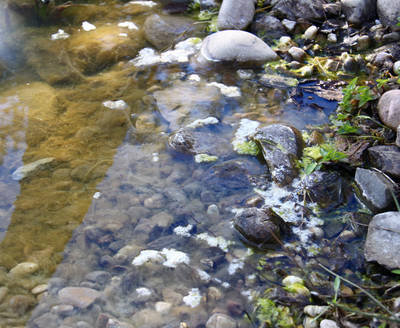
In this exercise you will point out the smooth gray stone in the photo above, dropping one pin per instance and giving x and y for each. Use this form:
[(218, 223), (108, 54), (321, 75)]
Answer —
[(388, 11), (386, 158), (235, 14), (383, 240), (389, 108), (359, 11)]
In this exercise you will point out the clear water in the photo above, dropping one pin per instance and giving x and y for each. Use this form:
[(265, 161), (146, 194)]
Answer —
[(113, 190)]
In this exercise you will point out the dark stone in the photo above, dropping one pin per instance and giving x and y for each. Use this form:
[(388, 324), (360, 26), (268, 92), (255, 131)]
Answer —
[(293, 9), (383, 240), (374, 189), (267, 27), (386, 158), (324, 188), (259, 226), (100, 277), (359, 11), (281, 146), (235, 14)]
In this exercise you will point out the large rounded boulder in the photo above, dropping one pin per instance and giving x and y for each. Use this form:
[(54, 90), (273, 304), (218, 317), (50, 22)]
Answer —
[(389, 108), (235, 46), (388, 12)]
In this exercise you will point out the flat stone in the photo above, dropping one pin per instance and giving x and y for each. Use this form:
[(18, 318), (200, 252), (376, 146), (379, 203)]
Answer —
[(235, 46), (235, 14), (297, 53), (328, 324), (294, 9), (383, 240), (80, 297), (311, 32), (375, 190), (389, 108), (100, 277), (24, 268), (386, 158)]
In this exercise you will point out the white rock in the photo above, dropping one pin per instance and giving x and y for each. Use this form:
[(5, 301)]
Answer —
[(163, 307), (148, 256), (24, 268), (236, 264), (315, 310), (228, 91), (332, 38), (86, 26), (328, 324), (146, 57), (311, 32), (143, 3), (289, 24), (291, 280), (214, 241)]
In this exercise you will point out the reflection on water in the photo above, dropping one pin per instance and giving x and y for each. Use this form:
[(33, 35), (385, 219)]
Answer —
[(117, 227)]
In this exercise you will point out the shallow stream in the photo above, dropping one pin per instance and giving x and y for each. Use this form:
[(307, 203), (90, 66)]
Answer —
[(113, 208)]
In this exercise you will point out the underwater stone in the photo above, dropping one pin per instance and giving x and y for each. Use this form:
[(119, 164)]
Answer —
[(80, 297), (258, 225), (220, 320), (23, 171), (24, 268)]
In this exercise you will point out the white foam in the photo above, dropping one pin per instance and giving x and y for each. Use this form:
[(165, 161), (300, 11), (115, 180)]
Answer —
[(183, 231), (86, 26), (143, 292), (146, 57), (60, 35), (174, 257), (143, 3), (212, 241), (148, 256), (203, 275), (118, 104), (193, 299), (202, 122), (235, 265), (129, 25)]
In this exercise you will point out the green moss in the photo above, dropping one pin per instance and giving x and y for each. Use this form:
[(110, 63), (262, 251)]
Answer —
[(205, 158), (247, 148), (273, 315)]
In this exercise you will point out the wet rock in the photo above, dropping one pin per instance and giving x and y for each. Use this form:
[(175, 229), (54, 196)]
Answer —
[(294, 9), (21, 303), (24, 269), (80, 297), (388, 11), (386, 158), (99, 277), (311, 32), (391, 37), (3, 293), (383, 240), (198, 142), (235, 46), (62, 310), (359, 11), (147, 318), (398, 137), (315, 310), (363, 42), (258, 225), (389, 108), (374, 189), (47, 320), (29, 169), (235, 14), (328, 324), (324, 188), (163, 31), (281, 146), (163, 307), (39, 289), (309, 322), (183, 102), (97, 49), (220, 320), (297, 53), (268, 27), (396, 67)]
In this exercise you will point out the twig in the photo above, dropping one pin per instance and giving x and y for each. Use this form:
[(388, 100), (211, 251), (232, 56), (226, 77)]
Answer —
[(365, 314), (359, 287)]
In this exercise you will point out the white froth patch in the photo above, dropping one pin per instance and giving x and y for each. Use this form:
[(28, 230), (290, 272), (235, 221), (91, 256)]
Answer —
[(128, 25), (148, 256), (202, 122), (97, 195), (205, 158), (203, 275), (183, 231), (86, 26), (194, 78), (212, 241), (143, 292), (180, 54), (169, 257), (227, 91), (235, 265), (118, 104), (143, 3), (193, 299), (60, 35)]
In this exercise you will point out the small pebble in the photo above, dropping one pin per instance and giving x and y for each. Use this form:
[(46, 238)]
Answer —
[(332, 38), (396, 67), (311, 33), (328, 324)]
